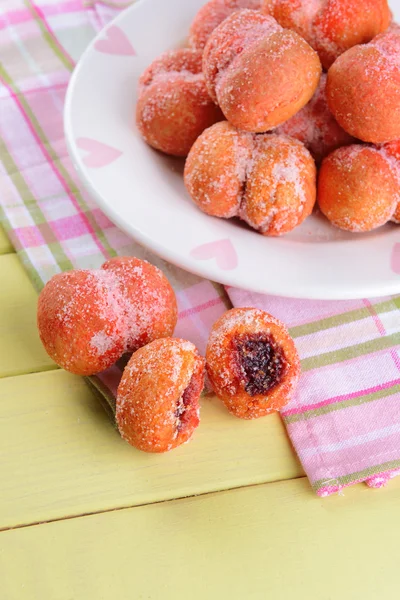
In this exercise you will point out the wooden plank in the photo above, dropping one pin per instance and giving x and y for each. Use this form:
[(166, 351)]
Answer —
[(64, 457), (275, 541), (5, 245), (21, 350)]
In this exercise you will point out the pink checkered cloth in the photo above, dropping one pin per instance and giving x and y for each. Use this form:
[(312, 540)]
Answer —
[(345, 419)]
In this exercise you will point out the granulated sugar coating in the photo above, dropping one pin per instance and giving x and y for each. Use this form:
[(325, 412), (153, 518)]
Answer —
[(174, 106), (80, 321), (88, 319), (216, 169), (230, 39), (148, 300), (331, 26), (363, 89), (259, 73), (158, 397), (267, 180), (281, 185), (211, 15), (252, 362), (316, 127), (358, 188)]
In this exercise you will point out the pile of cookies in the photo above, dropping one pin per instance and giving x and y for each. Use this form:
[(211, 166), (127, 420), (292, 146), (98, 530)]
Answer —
[(282, 104)]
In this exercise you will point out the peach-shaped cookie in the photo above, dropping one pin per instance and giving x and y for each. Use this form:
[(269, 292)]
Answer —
[(331, 26), (358, 189), (316, 127), (158, 397), (148, 299), (174, 107), (259, 73), (363, 89), (267, 180), (252, 362), (88, 319), (81, 326), (211, 15)]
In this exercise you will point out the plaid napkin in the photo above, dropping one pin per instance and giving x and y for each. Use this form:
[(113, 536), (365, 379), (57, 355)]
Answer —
[(345, 420)]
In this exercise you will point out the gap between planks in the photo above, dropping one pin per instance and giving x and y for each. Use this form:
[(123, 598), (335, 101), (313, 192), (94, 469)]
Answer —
[(134, 506), (65, 458), (267, 541)]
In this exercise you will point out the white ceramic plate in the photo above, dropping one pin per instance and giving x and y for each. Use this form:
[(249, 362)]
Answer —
[(143, 192)]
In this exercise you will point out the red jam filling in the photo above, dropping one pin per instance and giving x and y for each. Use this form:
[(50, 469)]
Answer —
[(261, 361)]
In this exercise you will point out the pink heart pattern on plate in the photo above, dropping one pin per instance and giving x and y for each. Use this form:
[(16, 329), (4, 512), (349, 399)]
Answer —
[(395, 262), (99, 154), (115, 42), (222, 251)]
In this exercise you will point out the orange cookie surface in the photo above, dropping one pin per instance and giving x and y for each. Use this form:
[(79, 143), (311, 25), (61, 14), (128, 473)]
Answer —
[(158, 397), (174, 107), (259, 73), (88, 319), (81, 322), (363, 89), (358, 189), (281, 186), (216, 169)]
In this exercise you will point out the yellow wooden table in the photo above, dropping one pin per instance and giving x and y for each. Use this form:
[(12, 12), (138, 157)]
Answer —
[(83, 516)]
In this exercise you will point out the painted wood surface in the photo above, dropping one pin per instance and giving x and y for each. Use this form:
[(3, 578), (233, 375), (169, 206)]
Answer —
[(65, 458), (21, 350), (275, 541)]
